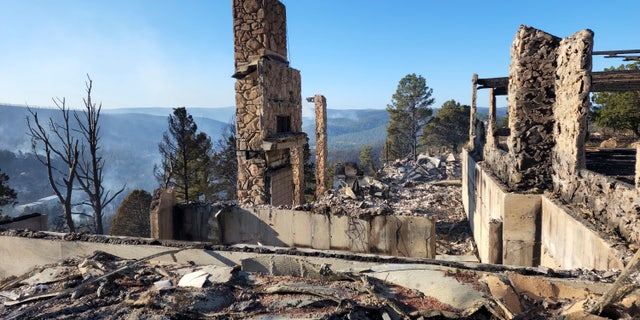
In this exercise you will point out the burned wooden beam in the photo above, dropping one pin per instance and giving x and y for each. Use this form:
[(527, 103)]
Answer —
[(623, 80), (499, 85), (615, 52)]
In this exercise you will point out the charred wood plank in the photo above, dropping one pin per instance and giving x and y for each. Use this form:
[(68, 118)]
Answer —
[(623, 80)]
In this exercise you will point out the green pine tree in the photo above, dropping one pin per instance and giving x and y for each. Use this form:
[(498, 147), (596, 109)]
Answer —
[(449, 127), (132, 218), (7, 194), (408, 112), (618, 110), (186, 158)]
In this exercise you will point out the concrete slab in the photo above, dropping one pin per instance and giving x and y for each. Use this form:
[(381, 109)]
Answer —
[(431, 281)]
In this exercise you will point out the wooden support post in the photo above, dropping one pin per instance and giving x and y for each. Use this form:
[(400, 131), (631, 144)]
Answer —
[(493, 125), (472, 117)]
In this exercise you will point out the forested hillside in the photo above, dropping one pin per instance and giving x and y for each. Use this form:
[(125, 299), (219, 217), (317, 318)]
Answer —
[(130, 137)]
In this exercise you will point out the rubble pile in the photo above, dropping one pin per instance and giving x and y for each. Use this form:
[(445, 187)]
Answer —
[(429, 186), (104, 286)]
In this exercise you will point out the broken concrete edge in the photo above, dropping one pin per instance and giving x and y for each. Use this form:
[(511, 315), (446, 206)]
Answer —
[(271, 250)]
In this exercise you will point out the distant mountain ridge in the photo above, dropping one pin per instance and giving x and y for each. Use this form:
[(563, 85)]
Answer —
[(130, 137), (351, 128), (222, 114)]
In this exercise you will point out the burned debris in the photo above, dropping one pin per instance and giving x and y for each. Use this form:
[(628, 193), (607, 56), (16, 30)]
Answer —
[(428, 187), (105, 286)]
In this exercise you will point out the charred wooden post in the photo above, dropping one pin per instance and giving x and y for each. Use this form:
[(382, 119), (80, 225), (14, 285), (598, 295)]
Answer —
[(472, 114), (493, 125)]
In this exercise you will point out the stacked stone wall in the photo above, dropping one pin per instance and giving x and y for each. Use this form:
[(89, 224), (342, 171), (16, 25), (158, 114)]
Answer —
[(283, 97), (297, 167), (573, 82), (251, 182), (249, 102), (258, 25), (615, 204), (320, 104), (531, 97)]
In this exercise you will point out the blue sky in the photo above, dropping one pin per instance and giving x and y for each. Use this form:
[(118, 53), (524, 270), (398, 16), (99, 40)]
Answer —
[(180, 53)]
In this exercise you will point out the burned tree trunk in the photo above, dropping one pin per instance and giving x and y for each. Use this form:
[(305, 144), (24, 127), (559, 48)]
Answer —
[(91, 167), (57, 141)]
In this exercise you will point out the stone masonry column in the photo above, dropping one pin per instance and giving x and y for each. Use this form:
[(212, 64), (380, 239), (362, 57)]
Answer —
[(638, 167), (266, 90), (297, 167), (573, 83), (321, 144), (531, 98)]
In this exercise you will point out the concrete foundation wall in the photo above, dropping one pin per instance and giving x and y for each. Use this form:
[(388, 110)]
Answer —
[(570, 244), (390, 235), (161, 214), (500, 220), (35, 222), (529, 229)]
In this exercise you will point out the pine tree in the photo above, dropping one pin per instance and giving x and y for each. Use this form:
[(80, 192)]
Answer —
[(7, 194), (408, 112), (186, 158), (367, 163), (450, 127), (225, 165), (618, 110)]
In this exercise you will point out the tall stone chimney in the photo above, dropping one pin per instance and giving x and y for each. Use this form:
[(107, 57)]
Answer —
[(269, 137)]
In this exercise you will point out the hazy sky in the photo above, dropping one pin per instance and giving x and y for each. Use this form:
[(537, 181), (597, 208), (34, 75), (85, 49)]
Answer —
[(180, 53)]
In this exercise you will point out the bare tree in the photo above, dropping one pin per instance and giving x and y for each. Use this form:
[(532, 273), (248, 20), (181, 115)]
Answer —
[(90, 168), (57, 141)]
